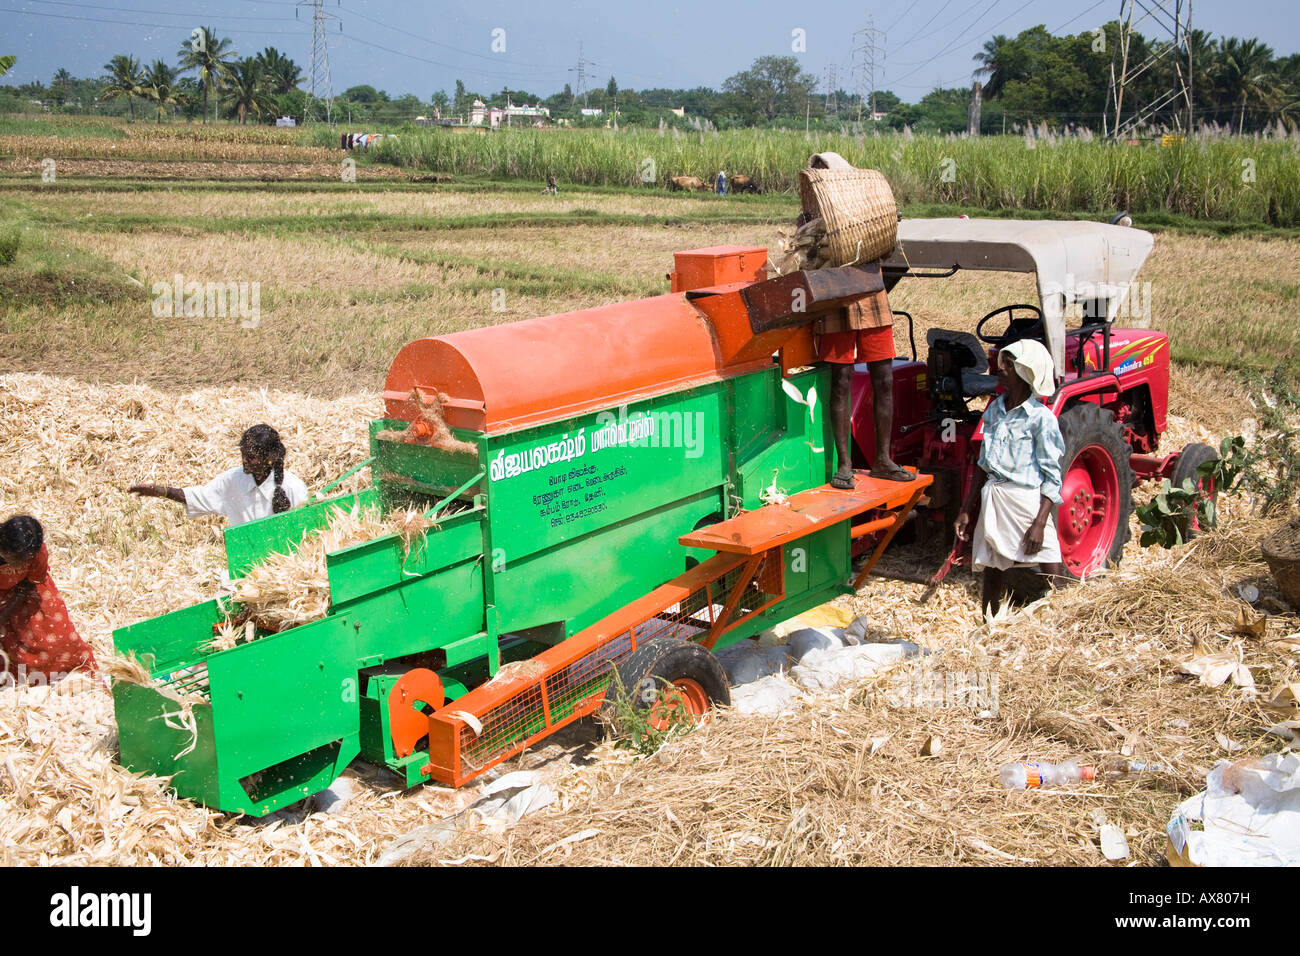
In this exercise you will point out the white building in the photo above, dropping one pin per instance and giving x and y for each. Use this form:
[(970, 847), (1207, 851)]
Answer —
[(482, 115)]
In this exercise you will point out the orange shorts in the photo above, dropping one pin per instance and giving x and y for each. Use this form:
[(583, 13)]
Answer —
[(870, 345)]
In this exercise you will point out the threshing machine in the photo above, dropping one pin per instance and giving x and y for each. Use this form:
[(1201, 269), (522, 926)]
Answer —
[(625, 488)]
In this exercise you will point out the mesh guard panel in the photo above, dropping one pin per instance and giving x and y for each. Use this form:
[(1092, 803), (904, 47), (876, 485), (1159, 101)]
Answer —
[(513, 714)]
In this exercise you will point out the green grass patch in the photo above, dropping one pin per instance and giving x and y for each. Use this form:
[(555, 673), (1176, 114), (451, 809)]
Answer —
[(47, 273), (24, 126), (10, 239)]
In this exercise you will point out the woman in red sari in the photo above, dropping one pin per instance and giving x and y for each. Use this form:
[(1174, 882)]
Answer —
[(36, 636)]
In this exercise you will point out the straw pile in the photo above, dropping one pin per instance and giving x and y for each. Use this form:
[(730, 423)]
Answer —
[(429, 426), (68, 451), (1106, 672), (803, 247), (292, 588), (1099, 672)]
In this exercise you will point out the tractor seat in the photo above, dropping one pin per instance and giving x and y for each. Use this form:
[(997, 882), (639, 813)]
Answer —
[(975, 384)]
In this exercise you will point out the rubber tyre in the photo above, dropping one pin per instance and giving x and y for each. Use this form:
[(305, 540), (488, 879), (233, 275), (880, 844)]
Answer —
[(1189, 459), (666, 659), (1094, 444)]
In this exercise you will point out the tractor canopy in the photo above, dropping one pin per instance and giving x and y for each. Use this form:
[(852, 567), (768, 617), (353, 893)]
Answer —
[(1082, 262)]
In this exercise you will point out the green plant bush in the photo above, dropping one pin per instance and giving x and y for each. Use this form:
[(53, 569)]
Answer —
[(10, 239)]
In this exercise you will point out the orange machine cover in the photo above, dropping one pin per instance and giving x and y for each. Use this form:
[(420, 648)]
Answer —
[(507, 376)]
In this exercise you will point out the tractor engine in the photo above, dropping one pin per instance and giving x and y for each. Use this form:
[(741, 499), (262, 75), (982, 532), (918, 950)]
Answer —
[(947, 360)]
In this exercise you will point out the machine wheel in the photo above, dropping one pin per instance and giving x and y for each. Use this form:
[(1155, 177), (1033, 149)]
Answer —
[(1096, 490), (1189, 459), (665, 674)]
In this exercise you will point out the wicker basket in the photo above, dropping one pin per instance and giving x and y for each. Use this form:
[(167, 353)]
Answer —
[(858, 208), (1282, 552)]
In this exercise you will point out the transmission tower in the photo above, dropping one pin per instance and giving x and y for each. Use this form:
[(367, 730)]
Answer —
[(581, 70), (320, 99), (1171, 21), (870, 55), (832, 84)]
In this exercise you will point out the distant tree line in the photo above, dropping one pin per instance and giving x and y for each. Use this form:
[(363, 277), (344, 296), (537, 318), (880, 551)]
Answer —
[(1030, 79)]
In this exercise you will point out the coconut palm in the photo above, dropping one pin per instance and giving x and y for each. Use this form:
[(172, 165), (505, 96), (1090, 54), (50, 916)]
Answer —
[(59, 86), (1243, 72), (160, 86), (993, 63), (6, 62), (247, 90), (1204, 54), (124, 80), (281, 73), (209, 56)]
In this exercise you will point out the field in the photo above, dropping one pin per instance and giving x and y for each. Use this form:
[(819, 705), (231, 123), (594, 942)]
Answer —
[(1206, 179), (98, 390), (1228, 181)]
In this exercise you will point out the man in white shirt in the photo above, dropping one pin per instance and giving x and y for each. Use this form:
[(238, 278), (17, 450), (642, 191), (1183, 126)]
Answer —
[(258, 488)]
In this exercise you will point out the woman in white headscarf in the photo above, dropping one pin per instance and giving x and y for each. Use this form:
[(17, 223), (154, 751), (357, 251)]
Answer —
[(1018, 479)]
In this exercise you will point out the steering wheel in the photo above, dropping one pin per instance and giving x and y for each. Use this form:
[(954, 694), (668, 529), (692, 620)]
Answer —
[(1026, 331)]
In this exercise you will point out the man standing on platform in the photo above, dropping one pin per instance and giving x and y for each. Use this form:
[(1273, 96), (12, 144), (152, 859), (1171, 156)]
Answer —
[(862, 332)]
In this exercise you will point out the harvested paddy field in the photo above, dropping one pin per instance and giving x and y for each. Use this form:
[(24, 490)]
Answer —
[(347, 276)]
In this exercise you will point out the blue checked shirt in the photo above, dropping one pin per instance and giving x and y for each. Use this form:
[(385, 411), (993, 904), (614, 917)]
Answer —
[(1023, 446)]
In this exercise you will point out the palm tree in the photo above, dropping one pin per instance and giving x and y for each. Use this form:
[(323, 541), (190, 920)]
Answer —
[(160, 86), (247, 91), (208, 55), (124, 80), (993, 63), (1201, 47), (282, 74), (1243, 70), (59, 86), (6, 62)]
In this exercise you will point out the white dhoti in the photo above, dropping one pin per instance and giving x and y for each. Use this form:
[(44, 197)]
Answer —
[(1006, 512)]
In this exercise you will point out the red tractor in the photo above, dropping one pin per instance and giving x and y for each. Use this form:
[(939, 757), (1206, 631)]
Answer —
[(1112, 383)]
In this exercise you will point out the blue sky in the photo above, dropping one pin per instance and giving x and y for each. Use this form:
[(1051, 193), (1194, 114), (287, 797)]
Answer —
[(419, 47)]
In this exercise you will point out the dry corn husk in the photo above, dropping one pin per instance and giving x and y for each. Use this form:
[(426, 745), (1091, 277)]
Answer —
[(803, 247), (1104, 650), (292, 588)]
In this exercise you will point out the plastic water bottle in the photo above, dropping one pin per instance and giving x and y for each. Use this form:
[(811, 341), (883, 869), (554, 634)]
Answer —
[(1031, 776)]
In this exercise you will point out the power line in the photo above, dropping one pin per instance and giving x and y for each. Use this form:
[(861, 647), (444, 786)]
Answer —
[(164, 13), (483, 56), (352, 38), (137, 23), (966, 37), (961, 33), (910, 7), (1080, 16), (946, 5)]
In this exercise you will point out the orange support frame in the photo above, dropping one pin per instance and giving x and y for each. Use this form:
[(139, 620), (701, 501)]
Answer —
[(513, 712), (756, 531)]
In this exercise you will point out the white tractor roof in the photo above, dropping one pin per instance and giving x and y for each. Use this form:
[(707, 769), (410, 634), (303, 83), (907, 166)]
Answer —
[(1074, 261)]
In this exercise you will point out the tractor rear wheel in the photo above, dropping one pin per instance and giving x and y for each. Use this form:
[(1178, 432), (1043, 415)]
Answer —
[(1092, 523), (1189, 459), (670, 678), (1096, 490)]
